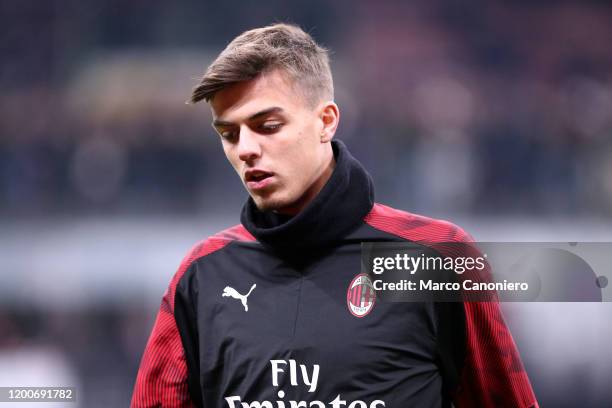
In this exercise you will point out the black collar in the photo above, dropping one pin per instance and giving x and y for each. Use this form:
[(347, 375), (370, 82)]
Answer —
[(346, 198)]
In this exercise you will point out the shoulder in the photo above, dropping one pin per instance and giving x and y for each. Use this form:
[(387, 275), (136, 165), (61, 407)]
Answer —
[(414, 227), (215, 243), (202, 249)]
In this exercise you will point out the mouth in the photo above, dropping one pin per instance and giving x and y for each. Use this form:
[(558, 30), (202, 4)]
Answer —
[(257, 179)]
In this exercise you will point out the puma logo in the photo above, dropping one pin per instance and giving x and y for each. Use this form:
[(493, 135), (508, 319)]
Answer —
[(229, 291)]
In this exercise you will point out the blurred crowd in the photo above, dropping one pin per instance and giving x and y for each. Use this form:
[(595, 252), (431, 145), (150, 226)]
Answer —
[(464, 108), (96, 350)]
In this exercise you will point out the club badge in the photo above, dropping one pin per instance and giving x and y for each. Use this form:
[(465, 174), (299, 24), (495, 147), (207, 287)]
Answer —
[(360, 296)]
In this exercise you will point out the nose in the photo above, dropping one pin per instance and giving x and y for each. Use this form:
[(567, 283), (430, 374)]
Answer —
[(248, 145)]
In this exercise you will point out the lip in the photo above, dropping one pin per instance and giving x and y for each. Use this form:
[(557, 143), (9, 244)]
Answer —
[(259, 185), (254, 181)]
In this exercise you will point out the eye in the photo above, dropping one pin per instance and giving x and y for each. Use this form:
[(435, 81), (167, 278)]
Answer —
[(229, 135), (270, 127)]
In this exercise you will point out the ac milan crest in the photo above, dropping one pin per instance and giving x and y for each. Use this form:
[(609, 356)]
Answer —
[(360, 296)]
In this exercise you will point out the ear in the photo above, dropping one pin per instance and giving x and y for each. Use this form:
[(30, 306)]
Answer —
[(329, 116)]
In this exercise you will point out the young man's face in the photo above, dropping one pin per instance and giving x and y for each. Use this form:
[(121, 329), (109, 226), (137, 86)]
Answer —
[(278, 145)]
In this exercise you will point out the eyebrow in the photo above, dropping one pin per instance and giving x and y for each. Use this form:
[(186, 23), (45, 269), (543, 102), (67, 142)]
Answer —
[(274, 109)]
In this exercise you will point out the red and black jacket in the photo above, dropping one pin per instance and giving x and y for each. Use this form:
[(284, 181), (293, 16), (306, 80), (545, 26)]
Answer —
[(206, 347)]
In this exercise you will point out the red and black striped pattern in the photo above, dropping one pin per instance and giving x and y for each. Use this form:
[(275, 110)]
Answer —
[(162, 377)]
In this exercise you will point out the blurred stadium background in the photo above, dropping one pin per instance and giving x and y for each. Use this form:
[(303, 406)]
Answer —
[(495, 115)]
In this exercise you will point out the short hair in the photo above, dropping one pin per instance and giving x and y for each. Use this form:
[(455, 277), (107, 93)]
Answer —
[(278, 46)]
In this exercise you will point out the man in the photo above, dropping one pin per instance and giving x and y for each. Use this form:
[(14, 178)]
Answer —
[(257, 315)]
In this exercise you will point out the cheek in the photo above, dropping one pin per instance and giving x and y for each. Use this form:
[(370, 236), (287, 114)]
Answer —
[(295, 156)]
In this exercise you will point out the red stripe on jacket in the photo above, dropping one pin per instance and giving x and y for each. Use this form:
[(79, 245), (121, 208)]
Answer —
[(162, 376)]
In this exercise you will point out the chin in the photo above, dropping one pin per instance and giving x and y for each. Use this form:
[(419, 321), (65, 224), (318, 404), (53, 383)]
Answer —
[(268, 204), (272, 203)]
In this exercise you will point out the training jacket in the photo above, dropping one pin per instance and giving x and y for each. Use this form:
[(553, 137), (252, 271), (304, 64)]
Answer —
[(257, 316)]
